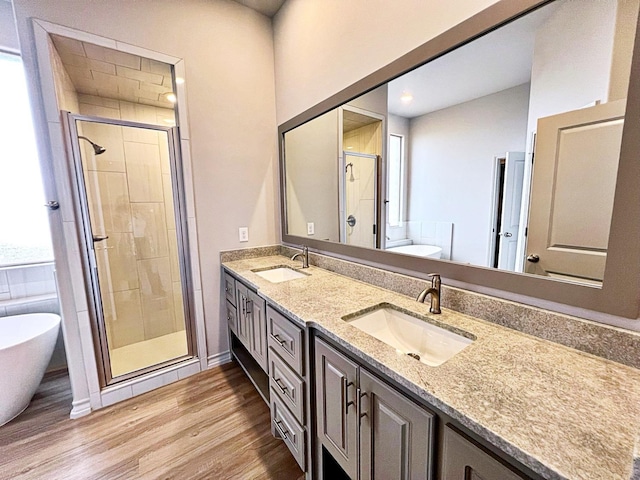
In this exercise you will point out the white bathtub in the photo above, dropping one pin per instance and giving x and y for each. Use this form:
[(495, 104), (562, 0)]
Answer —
[(430, 251), (26, 345)]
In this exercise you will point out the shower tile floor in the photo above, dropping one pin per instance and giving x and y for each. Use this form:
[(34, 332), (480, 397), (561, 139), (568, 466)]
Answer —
[(149, 352)]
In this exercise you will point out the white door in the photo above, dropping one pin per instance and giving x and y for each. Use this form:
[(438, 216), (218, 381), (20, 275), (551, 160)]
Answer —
[(510, 219), (575, 169)]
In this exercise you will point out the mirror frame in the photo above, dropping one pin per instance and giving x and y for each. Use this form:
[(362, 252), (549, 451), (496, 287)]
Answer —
[(620, 291)]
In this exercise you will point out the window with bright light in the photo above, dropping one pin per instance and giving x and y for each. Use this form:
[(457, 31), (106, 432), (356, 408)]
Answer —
[(395, 175), (24, 228)]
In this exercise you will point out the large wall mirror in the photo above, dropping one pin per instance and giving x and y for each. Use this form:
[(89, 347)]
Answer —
[(505, 149)]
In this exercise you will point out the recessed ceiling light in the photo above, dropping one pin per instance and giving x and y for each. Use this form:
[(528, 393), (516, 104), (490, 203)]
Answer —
[(171, 97), (179, 80), (406, 97)]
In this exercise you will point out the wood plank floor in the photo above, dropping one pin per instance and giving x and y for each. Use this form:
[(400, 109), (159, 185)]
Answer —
[(212, 425)]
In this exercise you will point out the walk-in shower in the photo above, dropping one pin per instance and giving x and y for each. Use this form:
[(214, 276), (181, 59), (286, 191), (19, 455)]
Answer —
[(131, 198)]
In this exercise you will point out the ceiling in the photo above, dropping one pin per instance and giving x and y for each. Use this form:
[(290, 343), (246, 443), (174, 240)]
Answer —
[(490, 64), (353, 120), (108, 73), (266, 7)]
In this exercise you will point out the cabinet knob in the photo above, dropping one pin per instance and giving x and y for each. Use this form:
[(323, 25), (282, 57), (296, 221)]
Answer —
[(533, 258)]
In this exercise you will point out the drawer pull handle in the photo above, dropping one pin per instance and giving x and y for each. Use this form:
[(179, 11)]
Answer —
[(277, 338), (359, 395), (226, 289), (283, 388), (345, 387), (283, 432)]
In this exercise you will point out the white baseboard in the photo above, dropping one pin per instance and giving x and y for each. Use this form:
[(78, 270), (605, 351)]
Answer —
[(80, 408), (218, 359)]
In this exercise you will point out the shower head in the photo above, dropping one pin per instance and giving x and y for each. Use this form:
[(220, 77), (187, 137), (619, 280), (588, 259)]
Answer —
[(99, 150), (351, 178)]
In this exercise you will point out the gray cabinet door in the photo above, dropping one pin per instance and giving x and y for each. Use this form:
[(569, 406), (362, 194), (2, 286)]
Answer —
[(395, 434), (243, 326), (337, 426), (463, 460), (256, 313)]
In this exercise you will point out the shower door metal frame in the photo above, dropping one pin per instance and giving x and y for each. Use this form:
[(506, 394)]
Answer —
[(98, 326)]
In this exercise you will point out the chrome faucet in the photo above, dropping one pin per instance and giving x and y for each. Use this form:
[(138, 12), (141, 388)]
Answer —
[(305, 256), (434, 290)]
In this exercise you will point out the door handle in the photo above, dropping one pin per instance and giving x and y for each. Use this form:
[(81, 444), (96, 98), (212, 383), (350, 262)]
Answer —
[(533, 258), (506, 234), (52, 205), (359, 395), (96, 238), (351, 221)]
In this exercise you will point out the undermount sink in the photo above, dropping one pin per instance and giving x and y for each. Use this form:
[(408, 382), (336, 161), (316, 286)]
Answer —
[(430, 344), (280, 274)]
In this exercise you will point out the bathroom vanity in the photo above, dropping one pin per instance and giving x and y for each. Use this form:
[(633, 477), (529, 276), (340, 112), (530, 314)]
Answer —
[(348, 405)]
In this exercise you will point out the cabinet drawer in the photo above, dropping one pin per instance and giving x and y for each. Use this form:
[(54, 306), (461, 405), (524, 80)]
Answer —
[(230, 289), (286, 339), (232, 318), (288, 386), (285, 426), (463, 459)]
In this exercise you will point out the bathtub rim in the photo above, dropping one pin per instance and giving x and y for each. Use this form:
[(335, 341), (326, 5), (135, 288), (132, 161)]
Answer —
[(44, 331)]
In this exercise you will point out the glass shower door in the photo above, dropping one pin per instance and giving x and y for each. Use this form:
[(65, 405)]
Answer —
[(360, 183), (129, 188)]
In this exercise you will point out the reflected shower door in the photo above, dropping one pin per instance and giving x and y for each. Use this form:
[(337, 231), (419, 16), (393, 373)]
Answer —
[(360, 195), (129, 189)]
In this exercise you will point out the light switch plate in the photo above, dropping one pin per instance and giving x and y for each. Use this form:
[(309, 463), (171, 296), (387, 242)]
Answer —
[(243, 234), (311, 228)]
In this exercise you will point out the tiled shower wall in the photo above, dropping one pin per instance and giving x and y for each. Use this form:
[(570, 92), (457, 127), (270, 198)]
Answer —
[(138, 263)]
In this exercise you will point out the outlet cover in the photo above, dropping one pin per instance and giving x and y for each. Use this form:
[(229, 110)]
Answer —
[(243, 234), (311, 228)]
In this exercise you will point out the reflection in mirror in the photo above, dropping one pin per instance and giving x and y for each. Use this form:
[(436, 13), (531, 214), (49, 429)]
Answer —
[(457, 139)]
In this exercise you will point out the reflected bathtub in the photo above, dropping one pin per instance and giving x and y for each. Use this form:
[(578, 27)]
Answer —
[(26, 345), (430, 251)]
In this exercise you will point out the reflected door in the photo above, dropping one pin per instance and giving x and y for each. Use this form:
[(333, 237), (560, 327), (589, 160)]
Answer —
[(510, 210), (127, 178), (575, 170), (360, 180)]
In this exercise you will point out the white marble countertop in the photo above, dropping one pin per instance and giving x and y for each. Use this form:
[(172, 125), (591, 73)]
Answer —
[(560, 412)]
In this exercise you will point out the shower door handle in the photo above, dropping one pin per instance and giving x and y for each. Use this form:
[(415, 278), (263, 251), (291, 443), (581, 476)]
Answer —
[(99, 239)]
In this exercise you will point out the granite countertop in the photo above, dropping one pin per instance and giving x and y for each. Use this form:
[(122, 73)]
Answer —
[(560, 412)]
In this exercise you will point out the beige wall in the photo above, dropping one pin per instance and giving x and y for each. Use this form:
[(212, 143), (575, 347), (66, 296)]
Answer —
[(311, 158), (312, 62), (228, 55)]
